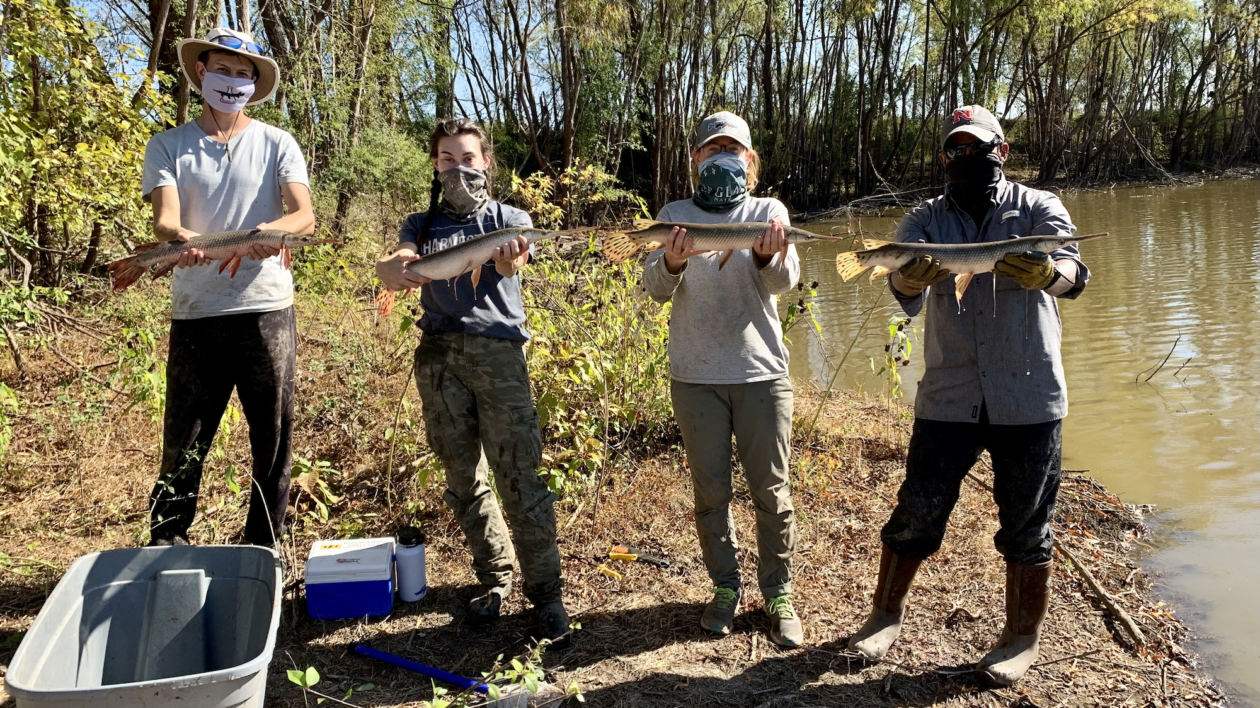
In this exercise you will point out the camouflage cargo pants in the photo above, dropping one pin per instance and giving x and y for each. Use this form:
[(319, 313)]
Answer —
[(476, 397)]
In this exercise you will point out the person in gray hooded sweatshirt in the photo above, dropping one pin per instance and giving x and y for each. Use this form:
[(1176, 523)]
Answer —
[(729, 371)]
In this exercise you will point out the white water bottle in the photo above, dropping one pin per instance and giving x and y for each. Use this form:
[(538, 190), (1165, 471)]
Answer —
[(409, 561)]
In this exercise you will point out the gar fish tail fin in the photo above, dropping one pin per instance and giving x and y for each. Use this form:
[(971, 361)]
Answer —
[(849, 266), (146, 247), (618, 246), (126, 271)]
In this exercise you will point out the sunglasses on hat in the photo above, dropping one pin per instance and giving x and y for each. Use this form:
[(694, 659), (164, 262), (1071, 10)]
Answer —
[(237, 43), (978, 147)]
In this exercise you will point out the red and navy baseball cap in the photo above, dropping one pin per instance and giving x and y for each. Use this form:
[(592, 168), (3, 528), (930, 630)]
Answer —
[(973, 120)]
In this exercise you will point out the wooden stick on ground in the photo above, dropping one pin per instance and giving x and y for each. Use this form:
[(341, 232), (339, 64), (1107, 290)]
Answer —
[(1107, 600), (1134, 632)]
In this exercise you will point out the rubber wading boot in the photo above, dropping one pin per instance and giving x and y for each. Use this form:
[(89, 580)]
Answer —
[(896, 576), (485, 608), (785, 624), (719, 614), (1027, 599), (552, 622)]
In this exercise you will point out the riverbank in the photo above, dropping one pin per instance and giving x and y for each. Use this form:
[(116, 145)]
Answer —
[(895, 201), (82, 460)]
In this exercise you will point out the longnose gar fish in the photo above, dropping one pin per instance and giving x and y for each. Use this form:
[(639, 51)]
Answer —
[(723, 239), (468, 256), (965, 260), (228, 246)]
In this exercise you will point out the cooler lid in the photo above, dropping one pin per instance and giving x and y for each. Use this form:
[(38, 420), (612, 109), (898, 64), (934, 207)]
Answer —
[(350, 560)]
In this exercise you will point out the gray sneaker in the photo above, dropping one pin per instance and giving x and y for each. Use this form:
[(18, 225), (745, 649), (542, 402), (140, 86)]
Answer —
[(719, 614), (785, 625), (485, 608)]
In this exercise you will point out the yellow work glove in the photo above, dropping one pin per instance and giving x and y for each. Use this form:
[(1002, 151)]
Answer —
[(922, 272), (1032, 270)]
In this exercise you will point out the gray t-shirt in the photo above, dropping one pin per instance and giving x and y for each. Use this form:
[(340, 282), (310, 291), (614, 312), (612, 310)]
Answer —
[(218, 195), (724, 328)]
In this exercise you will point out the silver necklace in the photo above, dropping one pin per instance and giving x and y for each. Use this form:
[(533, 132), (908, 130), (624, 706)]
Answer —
[(227, 141)]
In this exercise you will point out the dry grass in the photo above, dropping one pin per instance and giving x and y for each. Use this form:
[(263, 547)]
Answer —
[(78, 476)]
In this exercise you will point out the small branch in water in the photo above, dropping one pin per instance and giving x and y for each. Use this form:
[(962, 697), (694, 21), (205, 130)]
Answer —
[(1179, 368), (1161, 364)]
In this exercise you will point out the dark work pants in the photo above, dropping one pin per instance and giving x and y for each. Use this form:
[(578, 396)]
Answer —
[(1026, 467), (254, 353)]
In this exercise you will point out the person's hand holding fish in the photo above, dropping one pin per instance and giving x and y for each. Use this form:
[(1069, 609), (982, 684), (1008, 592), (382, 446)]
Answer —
[(1031, 270), (261, 251), (193, 256), (678, 248), (769, 244), (920, 274), (510, 257), (392, 271)]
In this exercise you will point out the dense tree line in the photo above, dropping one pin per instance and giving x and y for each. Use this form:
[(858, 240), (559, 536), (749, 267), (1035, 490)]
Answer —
[(845, 96)]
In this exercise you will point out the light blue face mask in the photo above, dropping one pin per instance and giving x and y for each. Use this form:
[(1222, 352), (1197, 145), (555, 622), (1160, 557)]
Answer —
[(723, 183)]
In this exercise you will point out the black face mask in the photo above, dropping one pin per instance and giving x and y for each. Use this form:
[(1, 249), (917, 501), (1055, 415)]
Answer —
[(972, 179)]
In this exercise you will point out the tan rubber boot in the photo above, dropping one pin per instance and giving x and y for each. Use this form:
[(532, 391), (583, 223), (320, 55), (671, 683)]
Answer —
[(1027, 600), (896, 576)]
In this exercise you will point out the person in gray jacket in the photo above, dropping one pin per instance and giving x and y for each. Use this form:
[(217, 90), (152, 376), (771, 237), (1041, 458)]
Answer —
[(729, 371), (994, 381)]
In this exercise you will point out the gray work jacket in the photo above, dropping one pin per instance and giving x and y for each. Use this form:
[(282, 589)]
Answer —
[(1002, 349)]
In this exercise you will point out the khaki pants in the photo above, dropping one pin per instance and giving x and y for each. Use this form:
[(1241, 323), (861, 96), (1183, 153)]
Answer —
[(760, 416), (476, 397)]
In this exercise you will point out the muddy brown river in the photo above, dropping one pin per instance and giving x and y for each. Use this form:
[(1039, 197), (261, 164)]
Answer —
[(1178, 279)]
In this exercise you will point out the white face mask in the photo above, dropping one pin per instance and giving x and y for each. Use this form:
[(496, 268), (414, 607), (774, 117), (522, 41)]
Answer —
[(225, 93)]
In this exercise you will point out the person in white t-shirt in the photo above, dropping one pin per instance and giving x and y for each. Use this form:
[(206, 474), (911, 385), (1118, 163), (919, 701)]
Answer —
[(227, 172)]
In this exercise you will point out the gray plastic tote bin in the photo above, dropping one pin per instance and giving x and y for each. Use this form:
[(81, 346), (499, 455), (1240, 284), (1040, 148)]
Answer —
[(192, 626)]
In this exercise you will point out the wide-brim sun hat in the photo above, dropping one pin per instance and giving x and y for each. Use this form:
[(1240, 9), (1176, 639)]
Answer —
[(268, 71)]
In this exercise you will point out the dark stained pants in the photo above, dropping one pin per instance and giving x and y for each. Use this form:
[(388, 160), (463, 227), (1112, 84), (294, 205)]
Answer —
[(254, 353), (1026, 468)]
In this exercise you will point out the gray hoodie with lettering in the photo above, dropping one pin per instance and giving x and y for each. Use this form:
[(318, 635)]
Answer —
[(724, 327)]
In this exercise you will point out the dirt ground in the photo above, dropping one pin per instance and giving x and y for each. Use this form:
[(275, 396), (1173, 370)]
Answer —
[(74, 485)]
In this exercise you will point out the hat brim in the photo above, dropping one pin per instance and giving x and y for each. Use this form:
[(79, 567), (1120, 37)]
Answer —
[(727, 133), (981, 133), (268, 71)]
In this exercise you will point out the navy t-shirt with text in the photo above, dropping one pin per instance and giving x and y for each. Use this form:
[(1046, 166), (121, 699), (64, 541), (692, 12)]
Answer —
[(495, 309)]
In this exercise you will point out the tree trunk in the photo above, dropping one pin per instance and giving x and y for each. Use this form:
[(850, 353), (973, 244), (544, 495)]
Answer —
[(190, 30)]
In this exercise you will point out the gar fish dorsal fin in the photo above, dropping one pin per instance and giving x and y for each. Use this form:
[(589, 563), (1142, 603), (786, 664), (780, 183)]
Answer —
[(961, 281), (645, 223), (871, 244)]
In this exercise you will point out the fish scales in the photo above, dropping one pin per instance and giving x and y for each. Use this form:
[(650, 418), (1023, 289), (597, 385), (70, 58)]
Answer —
[(227, 246), (964, 259), (651, 235), (464, 257)]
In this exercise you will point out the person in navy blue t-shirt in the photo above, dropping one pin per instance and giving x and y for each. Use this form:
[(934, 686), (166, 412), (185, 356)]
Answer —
[(474, 384)]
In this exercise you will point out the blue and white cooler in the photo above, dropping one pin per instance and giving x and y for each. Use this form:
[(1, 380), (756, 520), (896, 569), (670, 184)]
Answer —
[(350, 578)]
